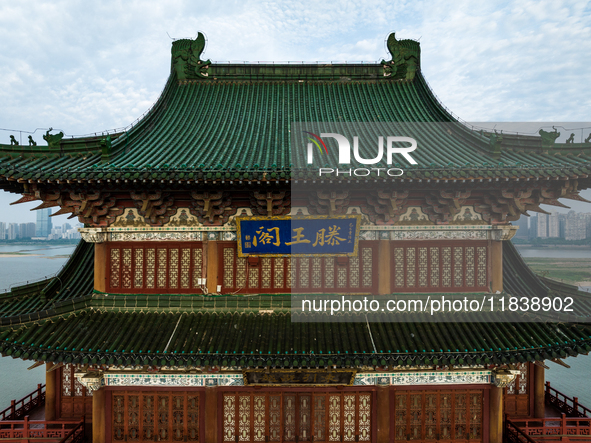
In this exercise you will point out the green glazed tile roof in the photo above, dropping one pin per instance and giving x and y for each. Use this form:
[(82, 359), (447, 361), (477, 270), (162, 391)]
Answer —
[(70, 326), (74, 280), (253, 339), (232, 128)]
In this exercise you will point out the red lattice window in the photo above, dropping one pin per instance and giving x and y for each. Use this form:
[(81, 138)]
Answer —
[(313, 274), (156, 267), (439, 415), (75, 399), (279, 416), (517, 394), (442, 266), (157, 416)]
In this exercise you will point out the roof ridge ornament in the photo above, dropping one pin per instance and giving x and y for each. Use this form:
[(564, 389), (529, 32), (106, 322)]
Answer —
[(548, 138), (405, 61), (53, 140), (186, 58)]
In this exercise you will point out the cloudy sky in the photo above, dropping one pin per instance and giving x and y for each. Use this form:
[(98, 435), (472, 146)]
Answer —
[(84, 67)]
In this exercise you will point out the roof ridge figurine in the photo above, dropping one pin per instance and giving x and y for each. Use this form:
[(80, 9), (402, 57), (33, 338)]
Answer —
[(186, 58)]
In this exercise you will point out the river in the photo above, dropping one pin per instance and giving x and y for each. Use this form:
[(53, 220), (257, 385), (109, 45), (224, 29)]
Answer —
[(16, 381)]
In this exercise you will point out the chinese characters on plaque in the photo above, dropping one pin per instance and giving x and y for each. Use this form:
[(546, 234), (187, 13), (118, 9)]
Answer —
[(298, 236)]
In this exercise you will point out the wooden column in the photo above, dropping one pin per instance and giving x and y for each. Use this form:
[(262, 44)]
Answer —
[(539, 391), (50, 392), (384, 267), (497, 266), (99, 424), (100, 267), (383, 418), (211, 415), (495, 415), (211, 265)]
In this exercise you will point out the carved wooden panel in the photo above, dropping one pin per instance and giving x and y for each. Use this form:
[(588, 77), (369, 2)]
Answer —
[(313, 274), (149, 267), (517, 394), (437, 415), (289, 415), (74, 400), (157, 416), (439, 266)]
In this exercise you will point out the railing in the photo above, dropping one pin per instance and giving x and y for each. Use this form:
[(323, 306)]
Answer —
[(569, 406), (21, 408), (77, 434), (52, 431), (515, 435), (560, 428)]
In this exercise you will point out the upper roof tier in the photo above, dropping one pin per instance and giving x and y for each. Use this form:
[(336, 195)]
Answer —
[(235, 120)]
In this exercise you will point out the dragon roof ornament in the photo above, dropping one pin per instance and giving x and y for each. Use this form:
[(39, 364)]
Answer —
[(405, 61), (186, 58)]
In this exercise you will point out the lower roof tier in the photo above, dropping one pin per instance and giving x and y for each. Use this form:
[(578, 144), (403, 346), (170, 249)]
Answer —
[(63, 320), (241, 339)]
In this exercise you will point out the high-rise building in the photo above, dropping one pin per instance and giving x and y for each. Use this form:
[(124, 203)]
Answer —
[(533, 227), (13, 231), (44, 225), (22, 230), (554, 225), (31, 229), (542, 226), (2, 231), (26, 230), (575, 226), (523, 231)]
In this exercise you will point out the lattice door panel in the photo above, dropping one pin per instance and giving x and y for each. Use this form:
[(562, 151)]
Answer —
[(420, 266), (155, 267), (517, 394), (75, 399), (297, 416), (312, 274), (156, 416), (437, 415)]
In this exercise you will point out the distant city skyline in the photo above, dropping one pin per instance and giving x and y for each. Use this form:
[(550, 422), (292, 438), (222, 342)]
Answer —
[(574, 225), (42, 230), (22, 213)]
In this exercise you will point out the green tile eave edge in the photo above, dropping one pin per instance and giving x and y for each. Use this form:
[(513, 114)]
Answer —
[(175, 359)]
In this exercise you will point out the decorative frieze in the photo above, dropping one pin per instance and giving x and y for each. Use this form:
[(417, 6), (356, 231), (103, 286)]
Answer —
[(156, 236), (424, 378), (228, 233), (131, 225), (94, 380), (439, 235)]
